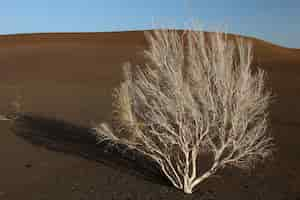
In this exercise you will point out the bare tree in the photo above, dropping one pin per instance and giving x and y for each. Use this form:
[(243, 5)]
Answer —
[(196, 94)]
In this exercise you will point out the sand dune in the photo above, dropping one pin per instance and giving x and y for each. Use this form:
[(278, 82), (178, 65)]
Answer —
[(70, 76)]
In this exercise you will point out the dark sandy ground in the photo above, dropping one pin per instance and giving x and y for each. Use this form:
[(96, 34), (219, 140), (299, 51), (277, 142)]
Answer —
[(66, 81)]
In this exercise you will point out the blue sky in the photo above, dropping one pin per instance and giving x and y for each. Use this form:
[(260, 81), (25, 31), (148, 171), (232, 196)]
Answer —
[(277, 21)]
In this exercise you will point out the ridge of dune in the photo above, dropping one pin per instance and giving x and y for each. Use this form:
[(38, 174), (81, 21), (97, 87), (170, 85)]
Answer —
[(40, 56), (102, 36)]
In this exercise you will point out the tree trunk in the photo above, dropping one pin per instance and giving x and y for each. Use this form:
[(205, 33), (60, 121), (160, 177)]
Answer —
[(187, 187)]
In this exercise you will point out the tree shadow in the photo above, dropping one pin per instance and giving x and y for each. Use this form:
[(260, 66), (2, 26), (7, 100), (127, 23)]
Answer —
[(61, 136)]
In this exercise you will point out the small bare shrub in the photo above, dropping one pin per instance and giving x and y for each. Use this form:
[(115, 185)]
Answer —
[(3, 118), (196, 94), (14, 109)]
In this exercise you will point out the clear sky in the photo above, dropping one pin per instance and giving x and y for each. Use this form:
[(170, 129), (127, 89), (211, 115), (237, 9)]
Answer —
[(277, 21)]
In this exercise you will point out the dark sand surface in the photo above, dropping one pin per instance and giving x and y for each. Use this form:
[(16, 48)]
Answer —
[(66, 81)]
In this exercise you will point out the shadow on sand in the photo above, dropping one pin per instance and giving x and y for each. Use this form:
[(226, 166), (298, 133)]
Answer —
[(62, 136)]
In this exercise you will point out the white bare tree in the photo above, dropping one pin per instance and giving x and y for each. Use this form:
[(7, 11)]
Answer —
[(196, 94)]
